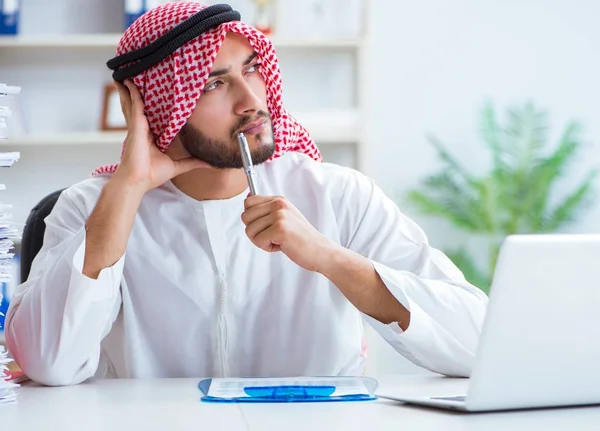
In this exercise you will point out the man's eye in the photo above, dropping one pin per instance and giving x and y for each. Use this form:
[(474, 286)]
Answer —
[(253, 68), (213, 85)]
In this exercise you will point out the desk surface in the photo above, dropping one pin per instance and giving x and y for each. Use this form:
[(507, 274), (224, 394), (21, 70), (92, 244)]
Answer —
[(174, 404)]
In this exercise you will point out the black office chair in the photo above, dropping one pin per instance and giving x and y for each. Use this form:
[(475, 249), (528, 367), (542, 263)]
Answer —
[(33, 232)]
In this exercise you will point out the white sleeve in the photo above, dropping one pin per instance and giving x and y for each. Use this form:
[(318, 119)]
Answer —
[(446, 311), (58, 317)]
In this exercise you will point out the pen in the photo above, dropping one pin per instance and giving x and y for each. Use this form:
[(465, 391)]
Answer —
[(247, 161)]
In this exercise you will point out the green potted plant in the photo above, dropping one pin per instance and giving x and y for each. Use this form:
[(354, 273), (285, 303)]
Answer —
[(514, 196)]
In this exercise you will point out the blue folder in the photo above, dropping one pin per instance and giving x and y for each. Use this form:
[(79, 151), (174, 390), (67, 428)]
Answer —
[(290, 394)]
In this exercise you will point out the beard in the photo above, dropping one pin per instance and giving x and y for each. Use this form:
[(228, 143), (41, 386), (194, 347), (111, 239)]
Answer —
[(223, 154)]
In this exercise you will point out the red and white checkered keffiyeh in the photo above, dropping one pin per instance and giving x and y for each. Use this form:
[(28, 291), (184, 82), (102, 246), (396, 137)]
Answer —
[(171, 88)]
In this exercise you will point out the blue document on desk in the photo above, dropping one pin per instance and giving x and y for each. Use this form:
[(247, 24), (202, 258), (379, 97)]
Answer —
[(286, 390)]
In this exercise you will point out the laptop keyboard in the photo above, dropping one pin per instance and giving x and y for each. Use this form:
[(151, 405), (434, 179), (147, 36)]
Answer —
[(455, 398)]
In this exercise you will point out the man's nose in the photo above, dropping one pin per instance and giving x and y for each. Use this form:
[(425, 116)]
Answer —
[(248, 102)]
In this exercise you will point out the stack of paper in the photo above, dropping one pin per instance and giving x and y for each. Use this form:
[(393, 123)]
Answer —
[(8, 232), (6, 94), (7, 393)]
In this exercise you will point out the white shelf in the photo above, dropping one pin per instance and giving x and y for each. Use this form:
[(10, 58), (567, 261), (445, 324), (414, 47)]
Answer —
[(110, 40), (326, 128), (60, 41), (67, 138)]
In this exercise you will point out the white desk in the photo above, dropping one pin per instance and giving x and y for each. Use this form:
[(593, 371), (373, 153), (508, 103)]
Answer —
[(175, 405)]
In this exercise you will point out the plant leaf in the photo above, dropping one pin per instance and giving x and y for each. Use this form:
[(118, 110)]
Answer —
[(490, 132), (544, 175), (565, 212), (452, 164), (451, 210), (467, 266)]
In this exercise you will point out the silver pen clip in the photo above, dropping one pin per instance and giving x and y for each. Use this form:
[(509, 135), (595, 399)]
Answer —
[(247, 161)]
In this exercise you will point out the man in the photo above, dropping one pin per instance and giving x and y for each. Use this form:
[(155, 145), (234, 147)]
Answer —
[(165, 265)]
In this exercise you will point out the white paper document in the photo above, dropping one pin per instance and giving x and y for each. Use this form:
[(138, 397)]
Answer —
[(8, 159), (234, 388), (7, 393)]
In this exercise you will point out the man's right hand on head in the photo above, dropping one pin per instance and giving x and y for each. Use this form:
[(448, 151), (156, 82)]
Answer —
[(143, 166)]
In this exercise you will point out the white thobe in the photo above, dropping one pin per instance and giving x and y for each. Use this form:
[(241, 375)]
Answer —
[(192, 296)]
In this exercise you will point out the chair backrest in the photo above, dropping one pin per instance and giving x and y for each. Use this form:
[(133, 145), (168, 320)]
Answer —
[(33, 232)]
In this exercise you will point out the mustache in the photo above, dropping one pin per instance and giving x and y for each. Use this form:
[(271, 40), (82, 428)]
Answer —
[(247, 120)]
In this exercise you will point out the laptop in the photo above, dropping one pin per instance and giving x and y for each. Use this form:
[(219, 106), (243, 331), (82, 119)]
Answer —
[(540, 342)]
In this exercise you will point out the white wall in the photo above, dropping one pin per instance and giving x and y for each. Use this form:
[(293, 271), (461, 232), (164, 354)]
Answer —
[(434, 62)]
